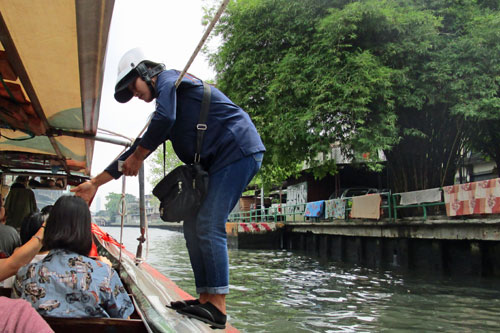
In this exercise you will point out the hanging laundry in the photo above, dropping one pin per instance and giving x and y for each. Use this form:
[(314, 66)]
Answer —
[(335, 209), (315, 209), (481, 197), (366, 206), (418, 197)]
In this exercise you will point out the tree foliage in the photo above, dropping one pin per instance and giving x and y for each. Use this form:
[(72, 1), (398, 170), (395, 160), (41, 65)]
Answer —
[(155, 163), (113, 206), (475, 73), (416, 79)]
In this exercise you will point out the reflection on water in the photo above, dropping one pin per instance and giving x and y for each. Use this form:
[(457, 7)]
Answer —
[(282, 291)]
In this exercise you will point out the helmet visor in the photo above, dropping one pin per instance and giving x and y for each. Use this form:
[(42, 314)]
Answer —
[(122, 92)]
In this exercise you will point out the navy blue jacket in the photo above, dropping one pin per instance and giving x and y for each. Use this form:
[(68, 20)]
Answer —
[(230, 135)]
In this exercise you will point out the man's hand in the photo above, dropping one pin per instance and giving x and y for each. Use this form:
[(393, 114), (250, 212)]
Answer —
[(88, 189), (133, 163), (85, 190)]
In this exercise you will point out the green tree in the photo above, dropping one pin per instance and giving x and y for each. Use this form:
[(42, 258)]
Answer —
[(475, 73), (155, 163), (399, 76), (102, 213), (388, 44), (408, 39), (280, 66), (113, 206), (313, 76), (459, 78)]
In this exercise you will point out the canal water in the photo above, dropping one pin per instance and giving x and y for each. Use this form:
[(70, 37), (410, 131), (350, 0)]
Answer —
[(283, 291)]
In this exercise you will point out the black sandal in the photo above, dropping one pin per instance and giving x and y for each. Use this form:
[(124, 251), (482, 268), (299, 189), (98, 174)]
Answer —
[(177, 305), (207, 313)]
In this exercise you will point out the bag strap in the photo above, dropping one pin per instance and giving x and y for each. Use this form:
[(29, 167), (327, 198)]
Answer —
[(202, 121)]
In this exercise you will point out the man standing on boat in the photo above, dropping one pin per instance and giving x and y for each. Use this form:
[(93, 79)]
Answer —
[(232, 154)]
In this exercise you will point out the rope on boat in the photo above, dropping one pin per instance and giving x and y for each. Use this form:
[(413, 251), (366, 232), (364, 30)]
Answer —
[(142, 217), (195, 52), (202, 40), (147, 124)]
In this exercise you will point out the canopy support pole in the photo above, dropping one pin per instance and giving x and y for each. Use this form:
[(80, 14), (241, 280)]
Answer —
[(123, 212), (142, 216), (58, 132)]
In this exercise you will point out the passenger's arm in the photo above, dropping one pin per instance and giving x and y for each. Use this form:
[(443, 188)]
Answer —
[(22, 256)]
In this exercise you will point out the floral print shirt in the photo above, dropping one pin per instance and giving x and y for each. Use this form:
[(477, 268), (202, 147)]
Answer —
[(66, 284)]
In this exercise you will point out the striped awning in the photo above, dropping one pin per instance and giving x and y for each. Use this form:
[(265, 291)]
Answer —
[(52, 57)]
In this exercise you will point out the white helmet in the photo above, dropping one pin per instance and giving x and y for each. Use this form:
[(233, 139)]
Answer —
[(132, 65)]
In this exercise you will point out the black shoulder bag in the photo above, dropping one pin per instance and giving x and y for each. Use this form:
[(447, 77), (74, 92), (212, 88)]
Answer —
[(182, 191)]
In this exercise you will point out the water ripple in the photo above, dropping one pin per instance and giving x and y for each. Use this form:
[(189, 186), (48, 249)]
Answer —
[(281, 291)]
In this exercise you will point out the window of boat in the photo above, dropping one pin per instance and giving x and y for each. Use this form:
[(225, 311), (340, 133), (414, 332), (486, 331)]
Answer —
[(47, 189), (45, 197)]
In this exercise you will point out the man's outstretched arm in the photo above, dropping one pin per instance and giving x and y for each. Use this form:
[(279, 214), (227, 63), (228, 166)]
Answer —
[(88, 189)]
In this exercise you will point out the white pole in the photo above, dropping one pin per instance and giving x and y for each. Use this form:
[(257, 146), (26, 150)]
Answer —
[(262, 209)]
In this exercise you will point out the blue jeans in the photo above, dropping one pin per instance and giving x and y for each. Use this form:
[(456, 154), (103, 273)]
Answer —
[(205, 235)]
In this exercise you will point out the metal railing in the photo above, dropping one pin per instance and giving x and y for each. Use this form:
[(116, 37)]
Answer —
[(424, 206), (290, 213), (295, 213)]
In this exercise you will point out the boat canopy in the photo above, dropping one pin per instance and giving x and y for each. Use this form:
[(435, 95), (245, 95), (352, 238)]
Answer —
[(52, 57)]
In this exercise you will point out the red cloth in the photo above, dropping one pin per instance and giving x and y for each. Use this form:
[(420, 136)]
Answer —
[(93, 251), (99, 233), (482, 197), (18, 316)]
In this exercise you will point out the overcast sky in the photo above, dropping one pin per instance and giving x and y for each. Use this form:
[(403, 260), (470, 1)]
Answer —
[(168, 31)]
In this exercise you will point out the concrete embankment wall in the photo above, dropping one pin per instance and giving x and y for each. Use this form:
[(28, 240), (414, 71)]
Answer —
[(456, 257), (438, 246), (443, 246)]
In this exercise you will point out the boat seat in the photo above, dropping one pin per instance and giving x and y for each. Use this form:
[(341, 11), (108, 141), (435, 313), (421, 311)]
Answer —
[(95, 325)]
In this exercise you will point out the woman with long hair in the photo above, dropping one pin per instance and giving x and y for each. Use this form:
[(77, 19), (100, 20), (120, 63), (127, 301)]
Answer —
[(67, 283)]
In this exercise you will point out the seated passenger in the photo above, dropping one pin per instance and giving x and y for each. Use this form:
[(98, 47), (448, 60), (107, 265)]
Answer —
[(2, 208), (33, 183), (67, 283), (30, 226), (46, 210), (22, 256), (9, 238), (19, 316), (60, 183), (20, 202)]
